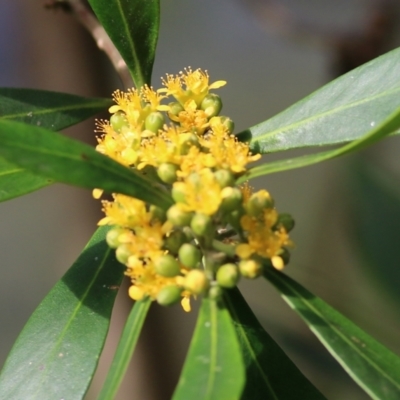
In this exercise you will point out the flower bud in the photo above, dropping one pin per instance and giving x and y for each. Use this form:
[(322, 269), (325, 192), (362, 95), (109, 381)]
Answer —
[(196, 281), (250, 268), (231, 199), (169, 295), (178, 217), (224, 178), (233, 218), (187, 140), (122, 253), (211, 104), (215, 293), (118, 121), (154, 121), (112, 237), (225, 121), (202, 225), (167, 172), (178, 192), (258, 202), (174, 241), (228, 275), (189, 255), (286, 221), (157, 213), (166, 265), (175, 108)]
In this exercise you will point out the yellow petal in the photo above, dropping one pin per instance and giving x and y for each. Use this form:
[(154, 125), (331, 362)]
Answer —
[(217, 84), (185, 303)]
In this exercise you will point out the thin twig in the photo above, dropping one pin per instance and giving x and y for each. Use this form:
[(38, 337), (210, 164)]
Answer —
[(103, 41)]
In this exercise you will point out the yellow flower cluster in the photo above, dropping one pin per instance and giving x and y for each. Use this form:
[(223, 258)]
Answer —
[(216, 231)]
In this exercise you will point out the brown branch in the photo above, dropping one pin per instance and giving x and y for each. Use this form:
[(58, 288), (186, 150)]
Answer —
[(103, 41)]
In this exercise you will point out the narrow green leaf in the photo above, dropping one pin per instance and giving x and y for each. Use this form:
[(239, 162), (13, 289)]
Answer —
[(133, 28), (126, 346), (58, 157), (340, 111), (15, 181), (384, 129), (213, 368), (375, 218), (50, 110), (57, 352), (372, 366), (268, 368)]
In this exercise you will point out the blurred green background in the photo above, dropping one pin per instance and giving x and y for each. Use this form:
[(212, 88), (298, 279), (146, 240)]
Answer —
[(272, 53)]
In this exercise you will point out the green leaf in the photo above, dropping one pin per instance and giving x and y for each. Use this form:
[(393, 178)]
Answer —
[(340, 111), (57, 352), (268, 368), (385, 128), (58, 157), (375, 218), (213, 368), (126, 346), (372, 366), (50, 110), (15, 181), (133, 28)]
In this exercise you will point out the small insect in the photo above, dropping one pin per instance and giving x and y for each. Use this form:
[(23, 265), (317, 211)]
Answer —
[(57, 5)]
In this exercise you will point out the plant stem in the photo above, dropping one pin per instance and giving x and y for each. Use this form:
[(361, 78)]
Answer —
[(103, 41)]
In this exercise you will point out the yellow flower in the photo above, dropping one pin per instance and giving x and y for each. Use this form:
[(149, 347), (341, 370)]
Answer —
[(190, 85)]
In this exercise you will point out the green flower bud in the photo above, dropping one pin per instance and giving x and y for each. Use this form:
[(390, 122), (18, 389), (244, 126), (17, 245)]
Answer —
[(189, 255), (174, 241), (258, 202), (157, 213), (175, 108), (215, 292), (178, 217), (211, 104), (187, 140), (250, 268), (226, 121), (154, 121), (169, 295), (196, 281), (202, 225), (118, 121), (231, 199), (224, 178), (286, 221), (123, 253), (167, 172), (167, 265), (233, 218), (112, 237), (150, 172), (228, 275), (178, 193)]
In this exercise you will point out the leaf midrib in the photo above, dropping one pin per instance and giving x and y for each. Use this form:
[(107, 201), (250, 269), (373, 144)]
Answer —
[(320, 115), (338, 332)]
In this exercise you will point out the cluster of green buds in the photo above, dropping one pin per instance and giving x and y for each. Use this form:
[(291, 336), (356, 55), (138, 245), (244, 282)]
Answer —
[(216, 231)]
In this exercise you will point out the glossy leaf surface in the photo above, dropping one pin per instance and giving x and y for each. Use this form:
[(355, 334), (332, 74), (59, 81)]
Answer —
[(133, 28), (15, 181), (385, 128), (270, 374), (341, 111), (66, 160), (375, 218), (213, 368), (57, 352), (50, 110), (126, 346), (372, 366)]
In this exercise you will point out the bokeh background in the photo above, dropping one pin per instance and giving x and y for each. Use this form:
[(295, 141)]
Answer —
[(272, 53)]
